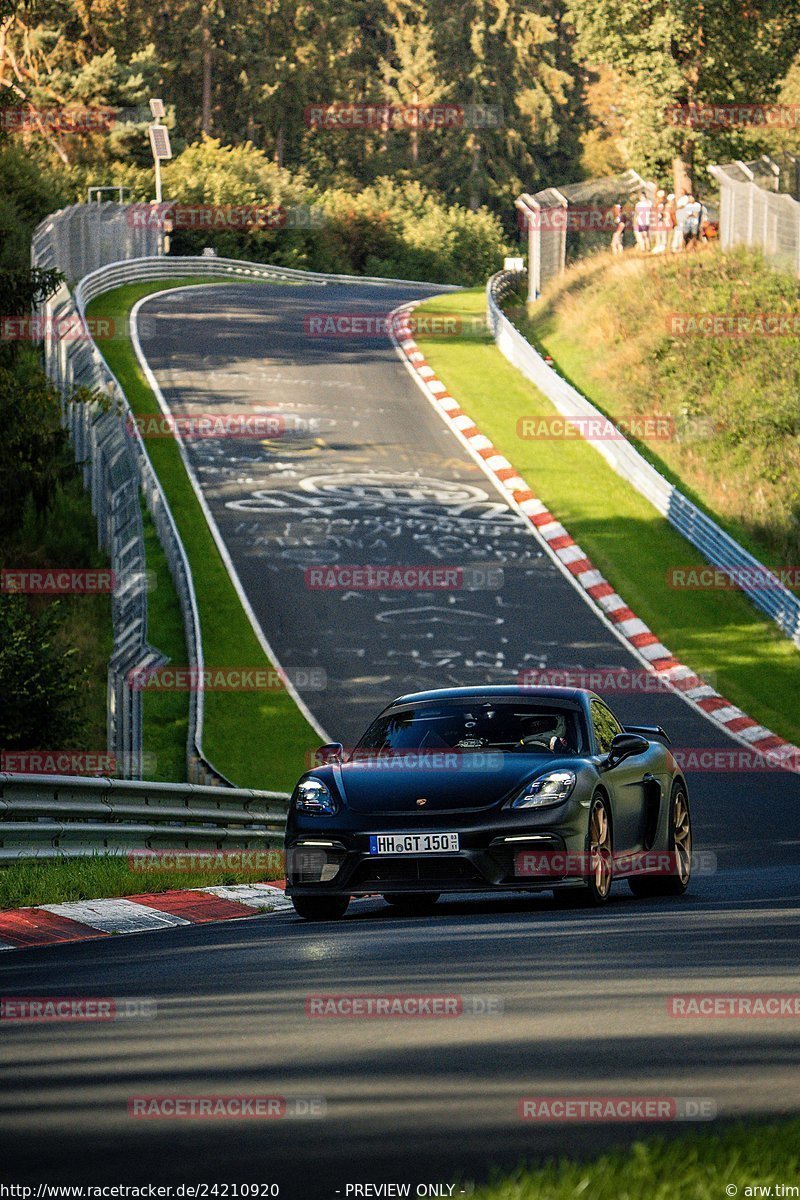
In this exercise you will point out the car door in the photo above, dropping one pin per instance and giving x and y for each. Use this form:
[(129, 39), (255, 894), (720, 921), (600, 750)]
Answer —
[(625, 782)]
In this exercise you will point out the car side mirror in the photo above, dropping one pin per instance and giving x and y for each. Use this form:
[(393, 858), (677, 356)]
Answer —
[(331, 752), (626, 745)]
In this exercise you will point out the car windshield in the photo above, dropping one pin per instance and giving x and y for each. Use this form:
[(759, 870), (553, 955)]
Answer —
[(476, 724)]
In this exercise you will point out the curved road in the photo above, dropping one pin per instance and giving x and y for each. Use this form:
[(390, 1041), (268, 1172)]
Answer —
[(366, 473)]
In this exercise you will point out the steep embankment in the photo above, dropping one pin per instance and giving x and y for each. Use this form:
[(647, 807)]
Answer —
[(656, 336)]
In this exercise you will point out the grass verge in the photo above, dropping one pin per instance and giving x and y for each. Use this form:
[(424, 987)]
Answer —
[(104, 876), (632, 334), (257, 739), (719, 634), (165, 715), (699, 1166)]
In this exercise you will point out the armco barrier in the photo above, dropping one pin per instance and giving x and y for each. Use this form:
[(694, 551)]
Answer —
[(52, 816), (718, 547)]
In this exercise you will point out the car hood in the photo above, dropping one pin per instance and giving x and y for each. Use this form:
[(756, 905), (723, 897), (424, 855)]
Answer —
[(445, 782)]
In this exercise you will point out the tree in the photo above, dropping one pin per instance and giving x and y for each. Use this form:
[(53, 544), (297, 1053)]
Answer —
[(40, 681), (604, 149), (509, 62), (50, 60), (412, 76), (34, 460), (678, 55), (783, 137)]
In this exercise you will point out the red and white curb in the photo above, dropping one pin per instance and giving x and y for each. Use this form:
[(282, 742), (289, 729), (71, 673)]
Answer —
[(581, 571), (85, 920)]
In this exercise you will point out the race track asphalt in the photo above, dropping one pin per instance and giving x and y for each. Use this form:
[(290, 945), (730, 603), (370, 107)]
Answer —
[(366, 472)]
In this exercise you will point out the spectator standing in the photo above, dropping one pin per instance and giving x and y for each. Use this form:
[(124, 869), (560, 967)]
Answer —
[(692, 219), (679, 237), (641, 228), (668, 222), (618, 236), (659, 223), (674, 233)]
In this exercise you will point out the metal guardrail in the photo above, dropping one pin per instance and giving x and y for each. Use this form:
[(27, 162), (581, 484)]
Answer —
[(102, 447), (716, 546), (52, 816), (139, 270)]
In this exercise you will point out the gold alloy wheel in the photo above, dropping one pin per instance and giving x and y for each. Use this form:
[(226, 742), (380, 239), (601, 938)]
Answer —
[(600, 847), (683, 839)]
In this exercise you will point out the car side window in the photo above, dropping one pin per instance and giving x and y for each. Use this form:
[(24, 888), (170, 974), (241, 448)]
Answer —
[(606, 726)]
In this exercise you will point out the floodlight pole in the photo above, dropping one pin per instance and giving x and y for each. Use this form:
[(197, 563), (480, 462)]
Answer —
[(157, 110)]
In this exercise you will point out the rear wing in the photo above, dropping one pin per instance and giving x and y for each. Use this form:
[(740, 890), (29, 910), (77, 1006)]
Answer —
[(649, 731)]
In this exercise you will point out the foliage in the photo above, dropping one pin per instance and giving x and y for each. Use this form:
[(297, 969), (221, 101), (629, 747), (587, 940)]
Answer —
[(25, 288), (33, 458), (604, 148), (40, 680), (681, 52), (48, 699), (696, 1166), (784, 136), (391, 228), (249, 72)]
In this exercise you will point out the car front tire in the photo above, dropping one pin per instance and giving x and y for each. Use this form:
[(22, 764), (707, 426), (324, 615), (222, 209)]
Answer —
[(600, 849), (320, 908)]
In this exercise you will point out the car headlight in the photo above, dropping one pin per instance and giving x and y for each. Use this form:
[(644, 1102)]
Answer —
[(552, 788), (313, 796)]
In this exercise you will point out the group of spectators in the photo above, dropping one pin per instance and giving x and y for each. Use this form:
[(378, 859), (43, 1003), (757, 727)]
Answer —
[(662, 223)]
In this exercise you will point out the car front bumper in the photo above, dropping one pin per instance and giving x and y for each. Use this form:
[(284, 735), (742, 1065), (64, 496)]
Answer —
[(491, 857)]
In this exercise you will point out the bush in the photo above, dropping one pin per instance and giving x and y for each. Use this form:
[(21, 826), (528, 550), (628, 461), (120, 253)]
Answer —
[(392, 228), (40, 682)]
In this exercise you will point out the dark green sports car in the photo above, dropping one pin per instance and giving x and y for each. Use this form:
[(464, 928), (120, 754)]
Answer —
[(493, 789)]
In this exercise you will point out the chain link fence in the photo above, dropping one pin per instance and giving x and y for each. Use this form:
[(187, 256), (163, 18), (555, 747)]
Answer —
[(567, 222), (117, 472), (79, 239), (760, 208)]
